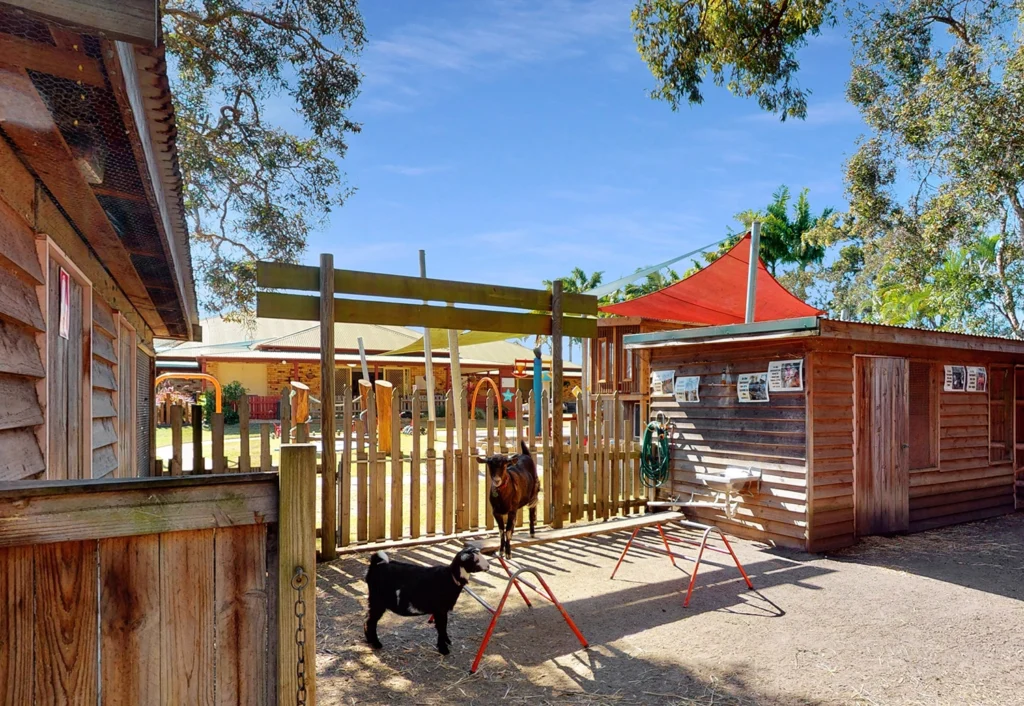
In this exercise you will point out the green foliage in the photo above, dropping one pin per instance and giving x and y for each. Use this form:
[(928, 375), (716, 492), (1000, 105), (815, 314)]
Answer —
[(785, 239), (230, 394), (253, 191), (649, 284), (942, 89), (750, 47)]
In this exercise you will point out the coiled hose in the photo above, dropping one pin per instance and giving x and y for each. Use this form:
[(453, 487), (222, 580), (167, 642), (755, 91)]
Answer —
[(654, 456)]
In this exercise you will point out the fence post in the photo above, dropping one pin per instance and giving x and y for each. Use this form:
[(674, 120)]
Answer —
[(557, 475), (328, 458), (296, 549), (243, 434), (217, 435), (176, 414), (198, 464)]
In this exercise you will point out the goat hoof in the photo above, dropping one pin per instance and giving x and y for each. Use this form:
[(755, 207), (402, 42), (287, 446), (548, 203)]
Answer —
[(376, 644), (443, 649)]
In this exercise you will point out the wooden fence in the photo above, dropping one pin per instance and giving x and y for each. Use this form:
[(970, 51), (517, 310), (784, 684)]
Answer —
[(431, 485), (144, 591)]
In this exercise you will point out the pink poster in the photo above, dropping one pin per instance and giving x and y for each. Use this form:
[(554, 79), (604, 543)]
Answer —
[(65, 303)]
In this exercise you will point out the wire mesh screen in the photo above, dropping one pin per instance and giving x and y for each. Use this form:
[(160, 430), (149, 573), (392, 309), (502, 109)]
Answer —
[(144, 405)]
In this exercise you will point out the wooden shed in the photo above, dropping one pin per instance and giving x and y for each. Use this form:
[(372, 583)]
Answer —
[(94, 253), (854, 429)]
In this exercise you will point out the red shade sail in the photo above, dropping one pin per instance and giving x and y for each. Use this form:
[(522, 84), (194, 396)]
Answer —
[(717, 295)]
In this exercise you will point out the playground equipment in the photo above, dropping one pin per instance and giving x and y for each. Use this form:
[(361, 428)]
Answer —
[(194, 376), (497, 395)]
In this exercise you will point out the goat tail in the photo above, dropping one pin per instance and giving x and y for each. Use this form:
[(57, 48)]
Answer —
[(526, 449)]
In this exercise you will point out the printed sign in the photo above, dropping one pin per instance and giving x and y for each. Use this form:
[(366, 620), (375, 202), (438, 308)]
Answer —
[(65, 303), (786, 375), (661, 381), (977, 379), (508, 382), (955, 378), (687, 389), (752, 387)]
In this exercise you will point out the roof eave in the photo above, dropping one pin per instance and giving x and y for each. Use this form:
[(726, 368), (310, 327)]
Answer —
[(757, 331)]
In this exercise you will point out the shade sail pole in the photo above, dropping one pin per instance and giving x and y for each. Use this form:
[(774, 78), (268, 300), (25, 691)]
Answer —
[(755, 255), (427, 354), (362, 359), (456, 376)]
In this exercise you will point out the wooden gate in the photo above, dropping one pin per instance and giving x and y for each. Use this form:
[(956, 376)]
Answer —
[(881, 470), (147, 591)]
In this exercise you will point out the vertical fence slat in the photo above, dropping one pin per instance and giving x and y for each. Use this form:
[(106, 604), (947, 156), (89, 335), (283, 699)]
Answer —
[(217, 435), (286, 415), (488, 510), (574, 490), (17, 638), (176, 414), (362, 479), (130, 621), (616, 454), (414, 469), (559, 482), (549, 498), (594, 447), (198, 464), (531, 431), (296, 548), (345, 471), (266, 461), (462, 470), (240, 575), (603, 485), (502, 441), (472, 474), (517, 407), (375, 469), (397, 471), (186, 617), (580, 501), (447, 483), (628, 490), (431, 476), (244, 463), (66, 623)]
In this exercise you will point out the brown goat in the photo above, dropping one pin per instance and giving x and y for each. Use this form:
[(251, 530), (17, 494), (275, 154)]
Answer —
[(514, 484)]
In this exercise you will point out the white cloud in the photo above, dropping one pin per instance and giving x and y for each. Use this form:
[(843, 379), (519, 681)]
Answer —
[(830, 112), (411, 171)]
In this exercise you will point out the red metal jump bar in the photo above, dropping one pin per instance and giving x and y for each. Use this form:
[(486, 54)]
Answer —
[(703, 544)]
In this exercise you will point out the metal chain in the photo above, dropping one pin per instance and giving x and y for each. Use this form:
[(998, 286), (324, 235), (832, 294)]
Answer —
[(299, 582)]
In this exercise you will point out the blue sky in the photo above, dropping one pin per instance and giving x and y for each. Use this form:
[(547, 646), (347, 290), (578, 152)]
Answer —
[(516, 140)]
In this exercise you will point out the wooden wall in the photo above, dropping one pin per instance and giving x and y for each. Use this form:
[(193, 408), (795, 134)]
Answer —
[(964, 486), (27, 217), (719, 431), (830, 450), (94, 601)]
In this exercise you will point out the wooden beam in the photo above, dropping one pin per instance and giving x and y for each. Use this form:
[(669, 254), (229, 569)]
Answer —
[(301, 308), (133, 21), (275, 275), (100, 190), (74, 65), (70, 511), (29, 124)]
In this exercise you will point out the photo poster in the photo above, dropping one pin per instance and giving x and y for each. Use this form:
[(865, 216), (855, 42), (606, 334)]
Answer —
[(662, 381), (752, 387), (977, 379), (786, 375), (955, 378), (687, 389), (65, 303)]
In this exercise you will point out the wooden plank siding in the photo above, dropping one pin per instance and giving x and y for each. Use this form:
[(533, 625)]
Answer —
[(101, 610), (21, 319), (719, 432)]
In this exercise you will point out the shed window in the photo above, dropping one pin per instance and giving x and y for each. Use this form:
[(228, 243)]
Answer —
[(1000, 417), (923, 404), (603, 346), (627, 364)]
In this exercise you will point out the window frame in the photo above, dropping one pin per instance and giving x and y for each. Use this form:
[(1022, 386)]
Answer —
[(934, 381), (1010, 385), (627, 364)]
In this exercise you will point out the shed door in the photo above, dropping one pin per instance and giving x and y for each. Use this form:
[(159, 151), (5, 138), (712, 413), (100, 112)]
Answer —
[(67, 355), (881, 475)]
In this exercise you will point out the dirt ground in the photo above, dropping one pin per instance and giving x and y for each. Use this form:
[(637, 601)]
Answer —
[(932, 618)]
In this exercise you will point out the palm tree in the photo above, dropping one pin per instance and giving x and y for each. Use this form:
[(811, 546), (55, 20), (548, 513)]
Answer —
[(578, 282)]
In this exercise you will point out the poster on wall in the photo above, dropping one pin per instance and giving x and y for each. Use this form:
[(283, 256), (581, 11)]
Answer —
[(687, 389), (786, 375), (955, 379), (977, 379), (65, 303), (661, 382), (752, 387)]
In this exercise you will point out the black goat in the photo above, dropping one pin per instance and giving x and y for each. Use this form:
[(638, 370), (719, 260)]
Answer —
[(411, 589), (514, 484)]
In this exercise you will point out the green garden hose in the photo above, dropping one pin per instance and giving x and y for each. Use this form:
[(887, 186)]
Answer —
[(654, 459)]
